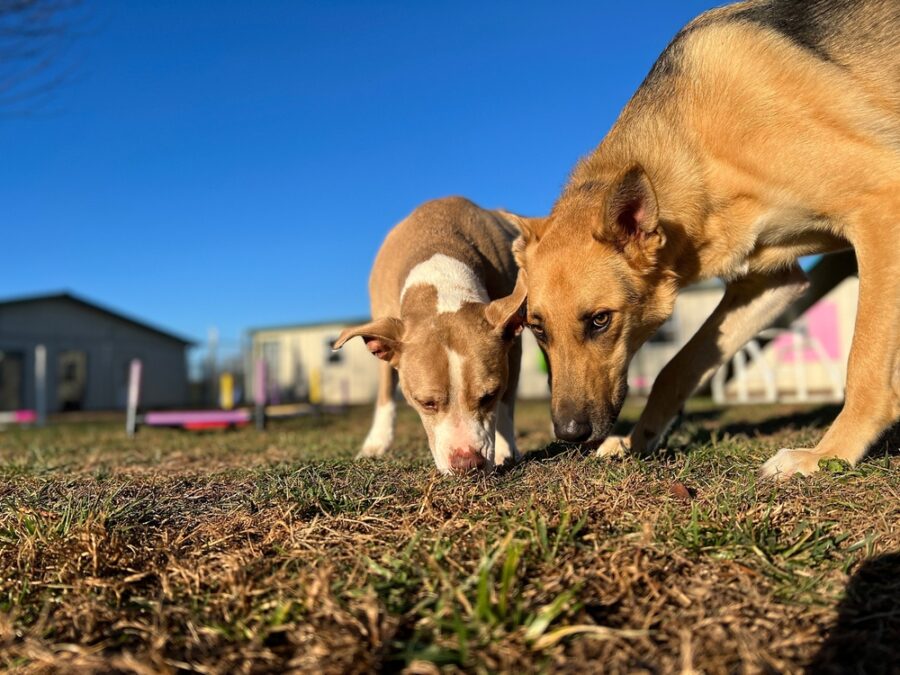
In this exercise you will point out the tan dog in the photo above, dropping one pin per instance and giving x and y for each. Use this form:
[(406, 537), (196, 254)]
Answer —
[(765, 131), (443, 317)]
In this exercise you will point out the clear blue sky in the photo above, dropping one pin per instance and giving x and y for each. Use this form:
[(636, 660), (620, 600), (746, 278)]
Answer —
[(237, 163)]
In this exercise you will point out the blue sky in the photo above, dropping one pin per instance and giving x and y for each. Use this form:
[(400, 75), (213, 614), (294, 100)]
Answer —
[(236, 164)]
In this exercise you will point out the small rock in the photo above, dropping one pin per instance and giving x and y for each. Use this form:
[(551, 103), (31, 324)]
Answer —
[(679, 491)]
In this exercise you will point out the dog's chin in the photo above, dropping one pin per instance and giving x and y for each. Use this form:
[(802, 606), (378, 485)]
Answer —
[(602, 429)]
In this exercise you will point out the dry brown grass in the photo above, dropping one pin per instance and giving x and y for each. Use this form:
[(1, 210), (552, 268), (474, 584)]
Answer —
[(245, 552)]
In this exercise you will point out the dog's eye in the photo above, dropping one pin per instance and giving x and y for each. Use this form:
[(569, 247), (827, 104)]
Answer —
[(488, 398), (429, 405), (537, 330), (600, 321)]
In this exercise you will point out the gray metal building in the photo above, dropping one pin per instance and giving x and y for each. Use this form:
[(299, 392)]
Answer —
[(88, 350)]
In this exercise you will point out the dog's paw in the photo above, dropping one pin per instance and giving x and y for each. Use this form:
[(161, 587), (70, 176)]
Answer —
[(786, 462), (505, 455), (372, 451), (614, 446)]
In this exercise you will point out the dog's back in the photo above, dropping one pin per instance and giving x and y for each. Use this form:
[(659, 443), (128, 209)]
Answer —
[(452, 226), (861, 37)]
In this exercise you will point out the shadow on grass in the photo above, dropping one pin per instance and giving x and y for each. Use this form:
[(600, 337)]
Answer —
[(556, 450), (560, 449), (865, 638), (888, 443), (817, 417), (690, 425)]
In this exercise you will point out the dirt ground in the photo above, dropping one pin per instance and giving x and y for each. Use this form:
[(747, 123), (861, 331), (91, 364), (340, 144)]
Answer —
[(248, 552)]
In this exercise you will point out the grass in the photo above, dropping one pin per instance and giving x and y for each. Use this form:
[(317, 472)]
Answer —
[(246, 552)]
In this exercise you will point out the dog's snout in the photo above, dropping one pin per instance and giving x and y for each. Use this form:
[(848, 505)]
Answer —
[(572, 429), (464, 460)]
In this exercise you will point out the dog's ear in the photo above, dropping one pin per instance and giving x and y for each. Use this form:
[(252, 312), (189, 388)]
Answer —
[(530, 232), (507, 315), (382, 336), (630, 219)]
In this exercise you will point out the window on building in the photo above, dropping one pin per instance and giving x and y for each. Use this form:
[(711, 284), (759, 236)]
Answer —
[(12, 367), (332, 356), (71, 385)]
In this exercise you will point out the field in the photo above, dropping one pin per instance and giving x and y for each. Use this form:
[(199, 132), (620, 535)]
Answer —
[(241, 552)]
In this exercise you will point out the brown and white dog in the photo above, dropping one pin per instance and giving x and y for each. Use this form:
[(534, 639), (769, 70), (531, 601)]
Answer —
[(767, 130), (447, 315)]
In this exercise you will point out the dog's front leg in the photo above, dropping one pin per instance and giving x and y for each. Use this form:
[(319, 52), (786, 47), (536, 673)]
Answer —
[(381, 434), (872, 401), (749, 305)]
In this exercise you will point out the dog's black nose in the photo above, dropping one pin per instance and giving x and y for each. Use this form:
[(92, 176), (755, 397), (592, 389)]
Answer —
[(572, 430)]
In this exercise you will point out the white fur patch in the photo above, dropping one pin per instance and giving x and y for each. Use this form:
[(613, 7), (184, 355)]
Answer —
[(454, 281)]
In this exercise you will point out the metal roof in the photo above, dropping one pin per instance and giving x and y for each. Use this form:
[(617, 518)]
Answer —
[(352, 321), (68, 296)]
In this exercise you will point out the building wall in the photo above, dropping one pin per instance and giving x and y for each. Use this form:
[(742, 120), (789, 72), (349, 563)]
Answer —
[(533, 380), (108, 345), (298, 357)]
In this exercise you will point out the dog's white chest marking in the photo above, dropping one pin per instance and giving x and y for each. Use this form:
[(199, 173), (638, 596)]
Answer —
[(454, 281)]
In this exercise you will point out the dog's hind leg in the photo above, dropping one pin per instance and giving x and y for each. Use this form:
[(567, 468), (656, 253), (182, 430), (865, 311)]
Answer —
[(381, 435), (749, 305), (872, 399)]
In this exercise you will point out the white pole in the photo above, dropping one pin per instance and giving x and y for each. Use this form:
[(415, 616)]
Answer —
[(212, 347), (134, 392), (837, 387), (718, 386), (757, 358), (740, 375), (40, 384), (259, 392)]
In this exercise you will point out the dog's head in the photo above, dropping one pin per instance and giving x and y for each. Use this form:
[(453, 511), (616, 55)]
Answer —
[(596, 292), (453, 368)]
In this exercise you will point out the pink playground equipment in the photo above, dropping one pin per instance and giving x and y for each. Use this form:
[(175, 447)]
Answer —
[(37, 416), (805, 336), (18, 417), (199, 420)]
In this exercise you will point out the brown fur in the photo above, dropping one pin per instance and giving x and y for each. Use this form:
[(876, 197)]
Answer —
[(766, 131)]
